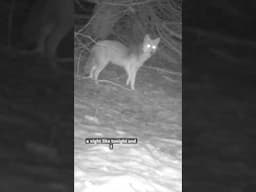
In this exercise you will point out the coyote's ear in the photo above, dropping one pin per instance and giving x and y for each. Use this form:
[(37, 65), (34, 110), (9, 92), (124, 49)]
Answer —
[(156, 41)]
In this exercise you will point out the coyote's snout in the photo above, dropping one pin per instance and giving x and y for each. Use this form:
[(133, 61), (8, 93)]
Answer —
[(131, 59)]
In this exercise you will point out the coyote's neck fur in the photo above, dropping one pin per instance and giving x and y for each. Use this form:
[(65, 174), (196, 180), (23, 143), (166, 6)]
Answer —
[(143, 56), (137, 51)]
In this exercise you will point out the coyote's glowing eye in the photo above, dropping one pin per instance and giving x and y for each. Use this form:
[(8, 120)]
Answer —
[(153, 47), (148, 45)]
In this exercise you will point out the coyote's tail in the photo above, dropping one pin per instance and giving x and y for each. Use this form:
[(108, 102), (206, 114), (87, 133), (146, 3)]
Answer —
[(89, 63)]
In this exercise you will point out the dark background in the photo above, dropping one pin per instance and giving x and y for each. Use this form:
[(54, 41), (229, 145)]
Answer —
[(36, 113), (218, 95)]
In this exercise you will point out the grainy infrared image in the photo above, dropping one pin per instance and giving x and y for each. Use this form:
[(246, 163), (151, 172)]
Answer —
[(128, 96)]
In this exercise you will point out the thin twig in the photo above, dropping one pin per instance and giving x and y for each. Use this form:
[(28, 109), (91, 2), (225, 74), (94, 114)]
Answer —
[(83, 45), (167, 41), (113, 83), (80, 77), (107, 81), (85, 36), (171, 32), (87, 24), (171, 80)]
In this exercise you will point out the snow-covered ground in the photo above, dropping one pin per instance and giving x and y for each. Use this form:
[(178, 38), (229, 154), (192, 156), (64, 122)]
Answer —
[(153, 117)]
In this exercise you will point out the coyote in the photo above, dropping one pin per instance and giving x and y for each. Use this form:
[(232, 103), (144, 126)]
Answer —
[(47, 24), (107, 51)]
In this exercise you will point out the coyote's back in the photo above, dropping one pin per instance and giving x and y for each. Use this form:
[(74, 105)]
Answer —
[(131, 59)]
